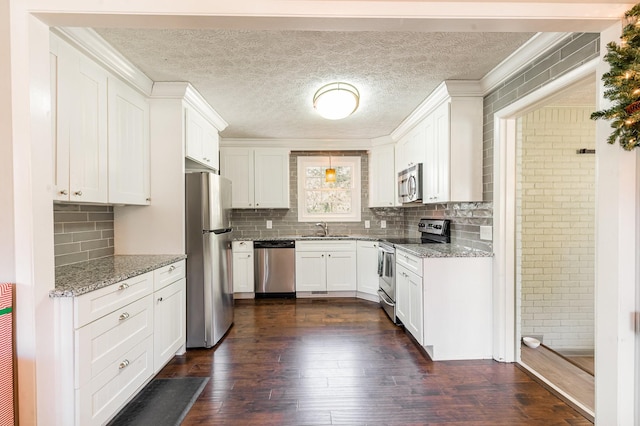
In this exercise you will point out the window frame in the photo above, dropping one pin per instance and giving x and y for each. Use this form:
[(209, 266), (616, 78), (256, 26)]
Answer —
[(356, 188)]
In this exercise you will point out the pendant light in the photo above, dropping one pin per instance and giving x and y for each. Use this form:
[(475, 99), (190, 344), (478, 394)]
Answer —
[(330, 173)]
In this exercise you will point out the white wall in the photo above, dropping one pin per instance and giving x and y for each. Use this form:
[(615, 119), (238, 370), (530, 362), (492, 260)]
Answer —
[(556, 219)]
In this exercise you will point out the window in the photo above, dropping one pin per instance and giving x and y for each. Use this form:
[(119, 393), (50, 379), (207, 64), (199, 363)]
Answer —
[(337, 201)]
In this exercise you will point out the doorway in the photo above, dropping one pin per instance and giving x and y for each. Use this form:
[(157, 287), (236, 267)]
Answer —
[(555, 243)]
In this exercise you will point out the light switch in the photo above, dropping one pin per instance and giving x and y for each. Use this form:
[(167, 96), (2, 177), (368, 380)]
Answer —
[(486, 233), (269, 224), (383, 224), (367, 224)]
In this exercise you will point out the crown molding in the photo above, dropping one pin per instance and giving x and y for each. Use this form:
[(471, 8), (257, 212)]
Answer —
[(91, 44), (185, 91), (534, 47), (445, 90), (300, 144)]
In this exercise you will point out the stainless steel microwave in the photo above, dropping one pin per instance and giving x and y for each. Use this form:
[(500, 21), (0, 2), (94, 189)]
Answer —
[(410, 184)]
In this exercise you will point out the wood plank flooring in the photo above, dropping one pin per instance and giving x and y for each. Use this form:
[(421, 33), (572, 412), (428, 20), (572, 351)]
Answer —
[(341, 361), (570, 378)]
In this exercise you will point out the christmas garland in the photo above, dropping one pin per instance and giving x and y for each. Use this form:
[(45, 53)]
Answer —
[(623, 84)]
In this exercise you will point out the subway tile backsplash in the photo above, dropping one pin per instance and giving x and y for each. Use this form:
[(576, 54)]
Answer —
[(82, 232)]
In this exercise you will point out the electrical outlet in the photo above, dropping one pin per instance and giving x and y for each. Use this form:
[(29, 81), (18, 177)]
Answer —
[(269, 224), (383, 224), (367, 224), (486, 233)]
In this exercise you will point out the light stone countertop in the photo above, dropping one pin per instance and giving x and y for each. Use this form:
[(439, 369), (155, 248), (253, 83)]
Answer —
[(80, 278), (419, 250), (442, 250)]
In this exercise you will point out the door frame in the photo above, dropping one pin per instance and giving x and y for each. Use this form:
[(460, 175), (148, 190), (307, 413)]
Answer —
[(505, 341)]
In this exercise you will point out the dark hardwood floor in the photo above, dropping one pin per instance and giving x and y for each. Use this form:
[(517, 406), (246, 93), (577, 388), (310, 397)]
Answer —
[(341, 361)]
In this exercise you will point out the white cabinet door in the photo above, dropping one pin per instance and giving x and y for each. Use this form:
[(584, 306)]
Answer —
[(403, 301), (341, 271), (128, 145), (367, 267), (414, 321), (243, 279), (169, 322), (437, 169), (271, 178), (411, 147), (236, 164), (382, 176), (201, 139), (310, 271), (81, 128)]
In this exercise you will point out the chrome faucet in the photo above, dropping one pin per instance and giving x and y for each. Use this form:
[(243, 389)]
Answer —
[(324, 227)]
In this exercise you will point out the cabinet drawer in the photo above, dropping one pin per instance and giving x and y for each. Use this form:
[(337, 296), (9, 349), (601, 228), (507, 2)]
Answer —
[(168, 274), (91, 306), (326, 246), (104, 341), (103, 396), (409, 261), (242, 246)]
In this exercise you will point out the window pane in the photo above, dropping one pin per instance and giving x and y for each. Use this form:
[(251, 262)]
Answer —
[(314, 182), (314, 172)]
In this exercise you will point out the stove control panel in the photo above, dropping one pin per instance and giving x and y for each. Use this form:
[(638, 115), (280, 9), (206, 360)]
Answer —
[(434, 226)]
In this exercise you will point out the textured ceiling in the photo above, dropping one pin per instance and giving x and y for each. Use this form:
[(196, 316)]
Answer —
[(262, 82)]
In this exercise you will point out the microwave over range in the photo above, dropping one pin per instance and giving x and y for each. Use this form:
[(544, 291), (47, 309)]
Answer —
[(410, 184)]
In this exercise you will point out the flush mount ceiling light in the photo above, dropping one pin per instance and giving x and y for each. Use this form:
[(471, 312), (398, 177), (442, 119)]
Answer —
[(336, 100)]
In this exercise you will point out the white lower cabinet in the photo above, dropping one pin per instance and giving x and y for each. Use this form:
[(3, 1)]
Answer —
[(113, 340), (367, 269), (409, 301), (243, 268), (326, 266), (169, 315)]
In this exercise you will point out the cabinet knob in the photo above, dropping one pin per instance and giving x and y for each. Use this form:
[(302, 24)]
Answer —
[(249, 203), (322, 255), (63, 192), (248, 256), (123, 364), (123, 316), (78, 193), (123, 286), (172, 268), (148, 199), (329, 255), (160, 299), (257, 204)]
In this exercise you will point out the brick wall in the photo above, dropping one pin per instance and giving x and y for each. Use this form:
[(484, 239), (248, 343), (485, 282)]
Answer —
[(82, 232), (555, 226)]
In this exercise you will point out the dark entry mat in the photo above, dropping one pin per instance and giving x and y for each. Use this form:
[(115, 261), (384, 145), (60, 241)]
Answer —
[(162, 402)]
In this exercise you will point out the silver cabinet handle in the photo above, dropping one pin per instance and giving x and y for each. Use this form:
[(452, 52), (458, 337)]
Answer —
[(172, 268), (123, 286), (160, 299), (123, 364), (63, 192), (242, 243), (123, 316), (248, 256), (78, 193)]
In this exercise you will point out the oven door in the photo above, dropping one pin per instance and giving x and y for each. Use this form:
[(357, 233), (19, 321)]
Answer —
[(386, 271)]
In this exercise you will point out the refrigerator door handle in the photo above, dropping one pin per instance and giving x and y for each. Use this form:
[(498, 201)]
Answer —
[(222, 231)]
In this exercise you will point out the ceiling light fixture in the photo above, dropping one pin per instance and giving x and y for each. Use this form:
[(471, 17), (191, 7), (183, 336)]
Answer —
[(335, 101)]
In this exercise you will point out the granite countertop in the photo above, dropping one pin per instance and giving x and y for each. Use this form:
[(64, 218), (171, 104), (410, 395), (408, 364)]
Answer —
[(442, 250), (80, 278), (420, 250)]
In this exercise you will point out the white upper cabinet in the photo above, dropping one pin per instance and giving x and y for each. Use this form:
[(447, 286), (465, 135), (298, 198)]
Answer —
[(100, 132), (128, 145), (259, 176), (80, 108), (445, 134), (382, 176), (411, 148), (453, 164), (201, 139)]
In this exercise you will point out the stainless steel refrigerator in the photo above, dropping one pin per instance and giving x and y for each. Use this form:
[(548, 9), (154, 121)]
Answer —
[(208, 241)]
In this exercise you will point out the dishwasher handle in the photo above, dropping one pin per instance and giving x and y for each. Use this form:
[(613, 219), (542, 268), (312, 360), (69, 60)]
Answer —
[(274, 244)]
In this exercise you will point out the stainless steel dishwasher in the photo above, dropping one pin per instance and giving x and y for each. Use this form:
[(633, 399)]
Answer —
[(274, 268)]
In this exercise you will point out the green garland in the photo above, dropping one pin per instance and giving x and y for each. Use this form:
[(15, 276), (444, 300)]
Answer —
[(623, 84)]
